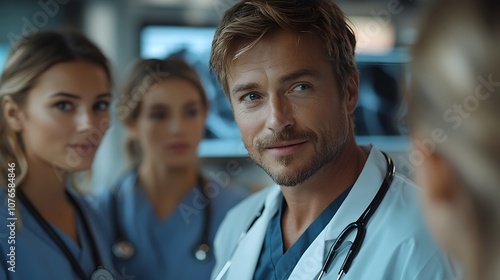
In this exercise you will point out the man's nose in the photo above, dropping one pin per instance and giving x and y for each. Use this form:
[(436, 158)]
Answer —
[(280, 114)]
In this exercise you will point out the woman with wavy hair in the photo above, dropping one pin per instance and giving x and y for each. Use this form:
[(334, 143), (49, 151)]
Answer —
[(55, 91), (165, 212)]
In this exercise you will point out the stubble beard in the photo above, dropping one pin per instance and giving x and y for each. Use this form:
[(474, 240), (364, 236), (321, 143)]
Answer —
[(326, 150)]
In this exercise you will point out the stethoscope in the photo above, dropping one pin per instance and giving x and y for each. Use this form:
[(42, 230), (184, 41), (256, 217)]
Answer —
[(123, 249), (359, 225), (100, 272)]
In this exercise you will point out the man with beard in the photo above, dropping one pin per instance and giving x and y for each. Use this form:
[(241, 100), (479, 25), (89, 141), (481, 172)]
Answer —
[(288, 70)]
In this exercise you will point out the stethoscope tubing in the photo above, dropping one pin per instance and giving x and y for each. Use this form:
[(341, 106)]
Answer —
[(201, 251), (59, 242), (359, 225)]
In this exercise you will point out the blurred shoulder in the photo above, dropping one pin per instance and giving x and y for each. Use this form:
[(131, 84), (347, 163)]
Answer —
[(252, 203), (225, 197)]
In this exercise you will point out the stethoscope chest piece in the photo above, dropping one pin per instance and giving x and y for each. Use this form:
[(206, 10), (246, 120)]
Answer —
[(101, 274), (201, 252), (123, 250)]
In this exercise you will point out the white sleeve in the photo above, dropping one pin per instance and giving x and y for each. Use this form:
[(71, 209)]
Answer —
[(415, 261)]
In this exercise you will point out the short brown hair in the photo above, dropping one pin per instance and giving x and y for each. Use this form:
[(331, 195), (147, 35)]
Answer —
[(244, 24)]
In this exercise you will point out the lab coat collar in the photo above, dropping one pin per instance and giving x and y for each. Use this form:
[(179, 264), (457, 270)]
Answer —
[(358, 199), (362, 193), (366, 186), (248, 251)]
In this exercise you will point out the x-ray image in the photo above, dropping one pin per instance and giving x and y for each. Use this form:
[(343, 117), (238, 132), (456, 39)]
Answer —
[(379, 111)]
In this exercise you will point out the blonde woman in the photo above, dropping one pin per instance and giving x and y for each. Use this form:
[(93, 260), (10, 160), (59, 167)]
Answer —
[(165, 213), (55, 91), (454, 116)]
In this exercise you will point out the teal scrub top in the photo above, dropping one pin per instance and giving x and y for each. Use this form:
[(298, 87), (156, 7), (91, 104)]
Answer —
[(28, 252), (165, 248), (274, 263)]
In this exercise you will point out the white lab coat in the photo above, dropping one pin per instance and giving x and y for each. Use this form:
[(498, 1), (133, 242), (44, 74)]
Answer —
[(397, 244)]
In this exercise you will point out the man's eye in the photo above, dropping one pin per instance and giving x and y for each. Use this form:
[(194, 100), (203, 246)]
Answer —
[(250, 97), (301, 87)]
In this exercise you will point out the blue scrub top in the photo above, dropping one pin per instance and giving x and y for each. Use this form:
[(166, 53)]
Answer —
[(36, 255), (273, 263), (165, 248)]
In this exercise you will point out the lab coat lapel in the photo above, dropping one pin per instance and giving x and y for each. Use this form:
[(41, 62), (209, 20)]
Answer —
[(247, 254), (360, 196)]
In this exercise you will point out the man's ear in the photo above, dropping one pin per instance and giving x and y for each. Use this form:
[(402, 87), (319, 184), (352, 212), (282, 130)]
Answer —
[(13, 113), (351, 94), (441, 183)]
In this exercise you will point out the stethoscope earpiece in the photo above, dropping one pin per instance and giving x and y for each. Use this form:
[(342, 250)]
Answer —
[(123, 249), (201, 252)]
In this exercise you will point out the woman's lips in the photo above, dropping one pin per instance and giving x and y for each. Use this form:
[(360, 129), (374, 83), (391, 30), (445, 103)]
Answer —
[(178, 147), (84, 149)]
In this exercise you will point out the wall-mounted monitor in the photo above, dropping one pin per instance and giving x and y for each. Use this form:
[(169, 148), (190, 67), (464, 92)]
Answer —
[(378, 117)]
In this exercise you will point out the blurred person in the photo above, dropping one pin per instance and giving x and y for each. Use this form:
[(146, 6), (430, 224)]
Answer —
[(165, 212), (55, 91), (337, 210), (454, 122)]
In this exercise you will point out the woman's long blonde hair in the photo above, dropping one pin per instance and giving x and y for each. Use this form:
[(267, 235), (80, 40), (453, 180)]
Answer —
[(455, 90), (29, 57)]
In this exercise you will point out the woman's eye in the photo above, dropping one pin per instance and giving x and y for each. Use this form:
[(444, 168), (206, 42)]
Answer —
[(192, 112), (101, 106), (157, 115), (250, 97), (64, 106)]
